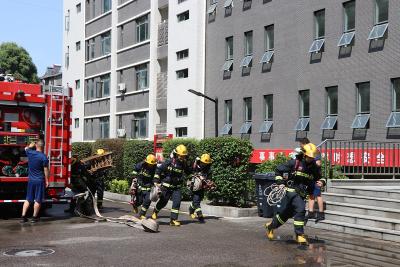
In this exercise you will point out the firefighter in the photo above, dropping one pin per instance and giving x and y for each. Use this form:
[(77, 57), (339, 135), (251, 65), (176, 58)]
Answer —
[(170, 175), (143, 176), (299, 177), (99, 186), (78, 181), (201, 166)]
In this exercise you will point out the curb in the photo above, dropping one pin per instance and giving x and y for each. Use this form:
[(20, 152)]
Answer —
[(217, 211)]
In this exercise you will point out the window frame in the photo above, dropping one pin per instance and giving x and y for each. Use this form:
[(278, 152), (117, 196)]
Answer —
[(328, 106), (183, 16), (346, 6), (360, 100), (268, 107), (181, 112), (247, 109), (302, 105), (182, 54), (228, 42), (104, 125), (140, 117), (105, 41), (377, 20), (142, 23), (317, 27), (248, 43), (185, 74), (180, 130), (140, 71), (104, 10), (267, 37), (395, 96)]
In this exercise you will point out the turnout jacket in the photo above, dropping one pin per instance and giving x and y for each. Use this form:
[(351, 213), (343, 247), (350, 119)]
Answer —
[(302, 176), (171, 172), (144, 174)]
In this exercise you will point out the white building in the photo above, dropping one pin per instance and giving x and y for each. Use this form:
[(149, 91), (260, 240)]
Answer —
[(131, 63)]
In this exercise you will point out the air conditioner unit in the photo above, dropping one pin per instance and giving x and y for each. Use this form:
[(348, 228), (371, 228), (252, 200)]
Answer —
[(121, 88), (121, 133)]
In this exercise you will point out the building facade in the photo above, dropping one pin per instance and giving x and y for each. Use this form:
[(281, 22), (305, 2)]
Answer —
[(52, 77), (127, 82), (283, 70)]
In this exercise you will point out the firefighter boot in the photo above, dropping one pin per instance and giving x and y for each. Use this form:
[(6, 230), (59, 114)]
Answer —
[(142, 217), (201, 219), (270, 231), (175, 223), (193, 216), (154, 216), (320, 216), (301, 240)]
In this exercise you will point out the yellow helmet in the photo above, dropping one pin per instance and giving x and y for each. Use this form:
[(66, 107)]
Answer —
[(100, 151), (206, 159), (310, 150), (181, 150), (151, 159)]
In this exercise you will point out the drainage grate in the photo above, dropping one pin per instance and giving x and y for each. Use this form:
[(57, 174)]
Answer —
[(33, 252)]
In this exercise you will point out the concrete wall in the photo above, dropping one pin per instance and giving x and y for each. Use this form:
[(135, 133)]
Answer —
[(131, 102), (292, 69), (135, 7)]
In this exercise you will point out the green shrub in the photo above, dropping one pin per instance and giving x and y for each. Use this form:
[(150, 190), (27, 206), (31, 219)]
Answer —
[(82, 149), (191, 144), (134, 152), (119, 186), (336, 171), (270, 165), (229, 169), (116, 146)]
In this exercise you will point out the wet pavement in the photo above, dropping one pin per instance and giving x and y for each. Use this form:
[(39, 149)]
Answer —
[(62, 240)]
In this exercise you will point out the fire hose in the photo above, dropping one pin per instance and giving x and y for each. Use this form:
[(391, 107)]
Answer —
[(149, 225), (276, 195)]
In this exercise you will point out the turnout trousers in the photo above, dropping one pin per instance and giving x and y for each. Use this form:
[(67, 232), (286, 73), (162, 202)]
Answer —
[(195, 205), (143, 198), (173, 193), (292, 205)]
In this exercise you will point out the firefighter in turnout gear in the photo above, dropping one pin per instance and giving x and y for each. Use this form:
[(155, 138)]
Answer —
[(142, 181), (170, 175), (78, 181), (297, 176), (202, 168)]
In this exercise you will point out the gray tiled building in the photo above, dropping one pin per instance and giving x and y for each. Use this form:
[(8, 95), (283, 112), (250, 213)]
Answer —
[(284, 69)]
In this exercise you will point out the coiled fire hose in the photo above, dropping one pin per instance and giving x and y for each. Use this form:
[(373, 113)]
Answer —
[(277, 193), (149, 225)]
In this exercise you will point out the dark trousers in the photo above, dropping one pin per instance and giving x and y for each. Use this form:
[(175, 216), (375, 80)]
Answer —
[(143, 198), (292, 205), (100, 190), (175, 195), (196, 200)]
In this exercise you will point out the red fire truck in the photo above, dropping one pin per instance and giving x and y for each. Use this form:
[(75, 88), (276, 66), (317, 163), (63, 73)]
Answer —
[(28, 113)]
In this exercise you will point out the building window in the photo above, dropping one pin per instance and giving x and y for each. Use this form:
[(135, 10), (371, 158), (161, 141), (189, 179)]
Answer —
[(228, 54), (248, 43), (181, 132), (248, 108), (394, 118), (363, 101), (381, 11), (349, 10), (142, 29), (361, 121), (90, 49), (183, 16), (182, 54), (78, 8), (67, 20), (121, 36), (77, 84), (319, 24), (106, 5), (104, 127), (76, 123), (105, 43), (105, 81), (332, 101), (381, 20), (67, 58), (88, 129), (247, 4), (229, 48), (268, 107), (227, 129), (181, 112), (349, 23), (248, 49), (93, 8), (139, 125), (181, 1), (269, 37), (142, 77), (78, 46), (330, 120), (319, 31), (180, 74), (304, 103)]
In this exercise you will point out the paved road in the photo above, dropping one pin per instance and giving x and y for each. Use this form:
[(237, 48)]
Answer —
[(218, 242)]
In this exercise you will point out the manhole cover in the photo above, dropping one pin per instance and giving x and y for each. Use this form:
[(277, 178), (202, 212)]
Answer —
[(23, 252)]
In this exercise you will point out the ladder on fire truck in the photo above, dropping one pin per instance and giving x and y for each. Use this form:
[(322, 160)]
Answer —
[(56, 123)]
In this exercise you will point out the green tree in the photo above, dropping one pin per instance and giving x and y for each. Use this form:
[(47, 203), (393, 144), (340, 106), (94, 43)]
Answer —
[(16, 60)]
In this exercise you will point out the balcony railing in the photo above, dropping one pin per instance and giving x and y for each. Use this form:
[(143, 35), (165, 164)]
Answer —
[(163, 33)]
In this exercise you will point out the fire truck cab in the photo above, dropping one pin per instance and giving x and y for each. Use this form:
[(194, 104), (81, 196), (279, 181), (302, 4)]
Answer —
[(27, 114)]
